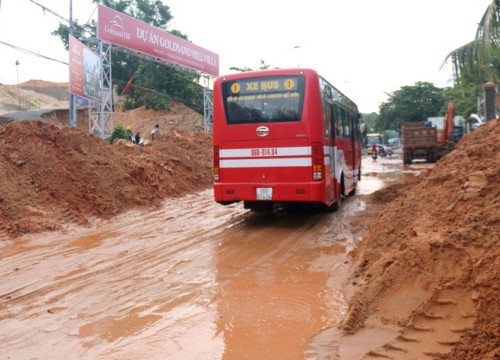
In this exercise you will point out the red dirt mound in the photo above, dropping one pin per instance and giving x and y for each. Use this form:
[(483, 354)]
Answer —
[(51, 174), (430, 263)]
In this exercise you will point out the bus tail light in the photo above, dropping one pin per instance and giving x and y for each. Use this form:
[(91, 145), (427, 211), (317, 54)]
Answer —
[(216, 163), (318, 160)]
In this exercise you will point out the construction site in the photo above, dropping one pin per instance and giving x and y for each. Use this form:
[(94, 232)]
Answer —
[(119, 251)]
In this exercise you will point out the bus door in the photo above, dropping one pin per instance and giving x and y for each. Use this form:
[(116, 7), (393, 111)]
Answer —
[(356, 148), (333, 135)]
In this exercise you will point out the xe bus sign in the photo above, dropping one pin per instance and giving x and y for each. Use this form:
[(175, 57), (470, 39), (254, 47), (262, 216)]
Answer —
[(249, 86), (123, 30)]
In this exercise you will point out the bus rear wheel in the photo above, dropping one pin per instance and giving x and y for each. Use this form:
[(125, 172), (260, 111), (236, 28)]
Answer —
[(337, 204)]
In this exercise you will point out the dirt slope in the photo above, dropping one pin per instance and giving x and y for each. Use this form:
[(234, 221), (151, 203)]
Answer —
[(144, 120), (32, 95), (430, 263), (52, 174)]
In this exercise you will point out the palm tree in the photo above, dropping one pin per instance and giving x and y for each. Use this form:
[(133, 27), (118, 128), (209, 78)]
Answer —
[(480, 53)]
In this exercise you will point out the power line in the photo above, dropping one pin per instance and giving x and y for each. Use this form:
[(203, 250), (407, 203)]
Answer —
[(44, 8), (32, 52)]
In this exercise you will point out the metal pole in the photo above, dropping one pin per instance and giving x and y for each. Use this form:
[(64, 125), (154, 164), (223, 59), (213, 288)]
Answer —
[(489, 101), (72, 105), (18, 91), (297, 47)]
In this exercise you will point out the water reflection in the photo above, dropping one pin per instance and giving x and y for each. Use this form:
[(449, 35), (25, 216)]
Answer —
[(270, 298), (384, 172)]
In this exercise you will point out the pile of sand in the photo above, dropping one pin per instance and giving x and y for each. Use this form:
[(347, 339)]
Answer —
[(144, 120), (52, 174), (16, 98), (430, 263)]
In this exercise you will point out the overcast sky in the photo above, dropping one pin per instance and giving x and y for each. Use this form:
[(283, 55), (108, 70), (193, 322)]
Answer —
[(365, 48)]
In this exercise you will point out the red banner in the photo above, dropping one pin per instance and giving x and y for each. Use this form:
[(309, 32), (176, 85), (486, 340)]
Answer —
[(120, 29), (84, 71)]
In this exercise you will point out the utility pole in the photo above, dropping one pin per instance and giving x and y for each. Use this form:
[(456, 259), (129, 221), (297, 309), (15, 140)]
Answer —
[(72, 105), (297, 47), (489, 101), (18, 91)]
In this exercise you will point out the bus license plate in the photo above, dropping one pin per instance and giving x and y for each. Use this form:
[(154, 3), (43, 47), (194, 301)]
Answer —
[(264, 193)]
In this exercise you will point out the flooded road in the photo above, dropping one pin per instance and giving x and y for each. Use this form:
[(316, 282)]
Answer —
[(193, 280)]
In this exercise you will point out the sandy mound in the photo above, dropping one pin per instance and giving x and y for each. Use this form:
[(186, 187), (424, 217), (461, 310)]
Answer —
[(13, 99), (430, 263), (144, 120), (52, 174), (44, 83)]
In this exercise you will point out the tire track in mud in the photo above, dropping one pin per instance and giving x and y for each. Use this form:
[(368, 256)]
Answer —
[(433, 330)]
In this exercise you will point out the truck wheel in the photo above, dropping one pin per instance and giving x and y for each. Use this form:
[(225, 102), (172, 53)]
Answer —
[(431, 157), (407, 159)]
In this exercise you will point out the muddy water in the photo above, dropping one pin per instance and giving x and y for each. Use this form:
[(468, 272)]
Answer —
[(194, 280)]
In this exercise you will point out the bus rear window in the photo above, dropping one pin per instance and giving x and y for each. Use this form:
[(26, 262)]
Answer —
[(266, 99)]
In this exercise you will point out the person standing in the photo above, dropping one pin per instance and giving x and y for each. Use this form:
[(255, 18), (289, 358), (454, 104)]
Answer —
[(129, 133), (156, 132), (138, 137)]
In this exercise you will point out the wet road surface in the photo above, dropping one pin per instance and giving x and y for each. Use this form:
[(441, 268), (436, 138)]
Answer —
[(193, 280)]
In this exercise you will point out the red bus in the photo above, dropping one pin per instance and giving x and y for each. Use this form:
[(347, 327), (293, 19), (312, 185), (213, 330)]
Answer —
[(284, 136)]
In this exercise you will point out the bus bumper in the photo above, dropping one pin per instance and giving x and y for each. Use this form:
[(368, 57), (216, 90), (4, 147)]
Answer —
[(228, 193)]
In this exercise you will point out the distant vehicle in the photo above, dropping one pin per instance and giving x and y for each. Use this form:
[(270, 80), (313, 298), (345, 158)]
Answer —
[(394, 143), (385, 151), (284, 136), (373, 139), (419, 142)]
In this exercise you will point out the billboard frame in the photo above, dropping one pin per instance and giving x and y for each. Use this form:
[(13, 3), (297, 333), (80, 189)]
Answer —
[(101, 115)]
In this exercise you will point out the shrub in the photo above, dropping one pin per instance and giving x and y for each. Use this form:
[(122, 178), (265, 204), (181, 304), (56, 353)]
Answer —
[(118, 133)]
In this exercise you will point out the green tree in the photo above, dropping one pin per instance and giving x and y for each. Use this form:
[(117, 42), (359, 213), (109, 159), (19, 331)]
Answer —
[(476, 62), (158, 84), (464, 96), (370, 121), (411, 103), (480, 57)]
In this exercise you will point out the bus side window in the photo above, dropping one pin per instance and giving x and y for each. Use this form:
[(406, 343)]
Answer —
[(331, 120), (355, 127), (345, 123), (327, 109), (327, 122), (338, 122)]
